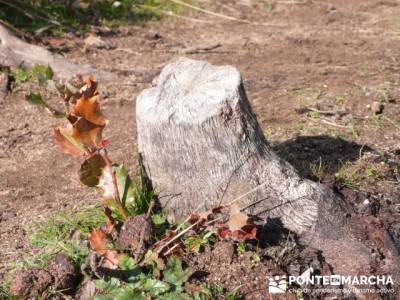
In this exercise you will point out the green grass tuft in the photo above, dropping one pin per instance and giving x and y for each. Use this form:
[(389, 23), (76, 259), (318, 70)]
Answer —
[(69, 15), (65, 232)]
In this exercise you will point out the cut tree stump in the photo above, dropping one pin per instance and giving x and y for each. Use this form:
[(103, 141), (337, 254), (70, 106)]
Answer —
[(201, 146), (16, 53)]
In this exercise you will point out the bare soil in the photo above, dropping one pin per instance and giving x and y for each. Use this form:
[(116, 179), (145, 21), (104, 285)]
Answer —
[(333, 56)]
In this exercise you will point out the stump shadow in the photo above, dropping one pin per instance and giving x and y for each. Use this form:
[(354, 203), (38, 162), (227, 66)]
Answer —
[(309, 154)]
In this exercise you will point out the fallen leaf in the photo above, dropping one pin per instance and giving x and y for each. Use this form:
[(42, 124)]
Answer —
[(247, 232), (98, 242), (237, 219), (67, 143)]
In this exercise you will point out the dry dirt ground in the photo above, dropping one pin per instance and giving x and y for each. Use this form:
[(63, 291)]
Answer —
[(337, 57)]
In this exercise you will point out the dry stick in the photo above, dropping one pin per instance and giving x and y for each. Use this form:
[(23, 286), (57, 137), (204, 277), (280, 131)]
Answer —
[(115, 184), (333, 124), (172, 249), (177, 236)]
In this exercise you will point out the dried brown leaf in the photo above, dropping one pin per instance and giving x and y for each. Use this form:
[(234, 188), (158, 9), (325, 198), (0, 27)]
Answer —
[(66, 143), (89, 109), (237, 219), (87, 133), (98, 241)]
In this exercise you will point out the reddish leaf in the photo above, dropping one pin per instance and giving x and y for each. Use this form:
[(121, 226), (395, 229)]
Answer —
[(247, 232), (193, 218), (224, 232), (104, 143), (67, 143), (98, 241), (217, 210)]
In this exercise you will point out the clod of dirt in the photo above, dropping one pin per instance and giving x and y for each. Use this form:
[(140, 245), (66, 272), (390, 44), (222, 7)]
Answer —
[(63, 272), (28, 283), (135, 235), (377, 107)]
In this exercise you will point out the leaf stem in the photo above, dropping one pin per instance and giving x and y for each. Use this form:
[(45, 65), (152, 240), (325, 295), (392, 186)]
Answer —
[(117, 198)]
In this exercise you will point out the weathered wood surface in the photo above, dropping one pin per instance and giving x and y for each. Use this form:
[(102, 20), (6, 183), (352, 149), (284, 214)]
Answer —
[(14, 53), (201, 145)]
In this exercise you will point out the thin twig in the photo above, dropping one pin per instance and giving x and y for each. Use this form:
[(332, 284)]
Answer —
[(333, 124), (249, 192), (171, 249), (177, 236)]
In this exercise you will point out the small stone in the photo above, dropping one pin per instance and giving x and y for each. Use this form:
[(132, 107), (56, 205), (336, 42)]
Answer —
[(377, 107), (94, 41)]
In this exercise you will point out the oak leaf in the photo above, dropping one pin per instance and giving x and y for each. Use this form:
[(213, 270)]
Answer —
[(89, 109), (67, 143), (87, 133)]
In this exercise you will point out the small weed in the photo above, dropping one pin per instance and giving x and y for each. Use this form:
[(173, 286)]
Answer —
[(255, 260), (356, 175), (5, 290), (241, 248), (340, 100), (348, 176), (196, 243), (372, 172), (40, 73), (314, 114), (217, 292), (318, 169), (376, 120)]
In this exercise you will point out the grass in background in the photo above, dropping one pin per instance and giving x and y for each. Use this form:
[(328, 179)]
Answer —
[(58, 16)]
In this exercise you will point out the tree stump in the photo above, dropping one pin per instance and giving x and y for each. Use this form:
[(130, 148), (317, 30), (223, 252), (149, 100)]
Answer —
[(201, 146), (16, 53)]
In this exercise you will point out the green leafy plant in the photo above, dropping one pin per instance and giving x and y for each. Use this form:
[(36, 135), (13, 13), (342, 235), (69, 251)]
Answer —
[(196, 243), (241, 248), (144, 285)]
